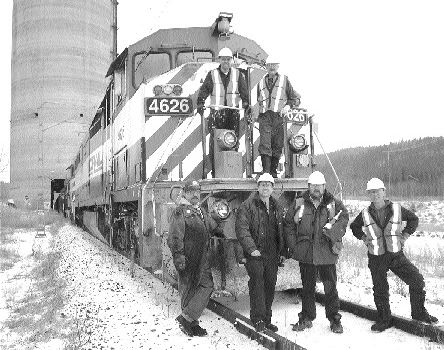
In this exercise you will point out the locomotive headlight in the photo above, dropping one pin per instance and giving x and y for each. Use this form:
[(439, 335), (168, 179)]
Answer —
[(168, 89), (157, 90), (222, 209), (177, 90), (297, 143), (227, 140)]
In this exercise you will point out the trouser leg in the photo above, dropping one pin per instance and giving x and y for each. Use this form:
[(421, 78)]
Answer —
[(308, 276), (277, 138), (266, 164), (265, 130), (256, 287), (270, 277), (329, 278), (378, 265), (409, 273), (198, 301)]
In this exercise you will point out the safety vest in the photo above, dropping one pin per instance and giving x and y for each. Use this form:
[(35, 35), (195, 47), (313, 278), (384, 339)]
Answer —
[(300, 212), (218, 94), (379, 241), (278, 98)]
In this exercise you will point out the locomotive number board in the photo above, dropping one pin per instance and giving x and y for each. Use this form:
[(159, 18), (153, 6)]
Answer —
[(179, 106), (297, 117)]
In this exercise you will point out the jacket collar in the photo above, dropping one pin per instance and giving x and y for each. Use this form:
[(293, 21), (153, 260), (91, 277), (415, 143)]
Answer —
[(326, 199)]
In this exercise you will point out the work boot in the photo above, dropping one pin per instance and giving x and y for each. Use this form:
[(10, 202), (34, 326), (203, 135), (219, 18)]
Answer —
[(419, 312), (335, 324), (381, 326), (198, 330), (185, 326), (425, 317), (259, 326), (273, 166), (384, 320), (271, 327), (266, 163), (302, 325)]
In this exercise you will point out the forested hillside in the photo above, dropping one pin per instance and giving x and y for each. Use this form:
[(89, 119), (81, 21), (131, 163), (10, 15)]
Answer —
[(408, 168)]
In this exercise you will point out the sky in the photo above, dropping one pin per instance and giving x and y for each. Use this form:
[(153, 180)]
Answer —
[(371, 72)]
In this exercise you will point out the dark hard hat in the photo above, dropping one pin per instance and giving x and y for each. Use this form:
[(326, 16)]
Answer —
[(191, 185)]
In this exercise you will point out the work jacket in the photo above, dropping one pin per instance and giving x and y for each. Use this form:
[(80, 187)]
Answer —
[(388, 235), (188, 239), (306, 238), (251, 225), (275, 96)]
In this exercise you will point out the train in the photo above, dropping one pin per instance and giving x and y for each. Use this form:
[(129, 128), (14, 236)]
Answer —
[(147, 138)]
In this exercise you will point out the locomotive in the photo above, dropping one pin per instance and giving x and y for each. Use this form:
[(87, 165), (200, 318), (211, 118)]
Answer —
[(147, 138)]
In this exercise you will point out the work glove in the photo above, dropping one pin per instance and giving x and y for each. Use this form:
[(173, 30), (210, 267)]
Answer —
[(281, 261), (285, 110), (179, 262)]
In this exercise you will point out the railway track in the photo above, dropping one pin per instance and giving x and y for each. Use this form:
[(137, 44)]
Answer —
[(275, 341)]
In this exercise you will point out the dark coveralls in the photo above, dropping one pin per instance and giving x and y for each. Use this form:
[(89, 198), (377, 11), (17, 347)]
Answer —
[(188, 240), (308, 245), (271, 125), (257, 229), (396, 262), (223, 118)]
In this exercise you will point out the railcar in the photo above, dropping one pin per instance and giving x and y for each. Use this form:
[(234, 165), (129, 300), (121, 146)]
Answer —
[(147, 138)]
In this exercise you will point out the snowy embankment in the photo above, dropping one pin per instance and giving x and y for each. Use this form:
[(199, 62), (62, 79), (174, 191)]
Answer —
[(108, 308)]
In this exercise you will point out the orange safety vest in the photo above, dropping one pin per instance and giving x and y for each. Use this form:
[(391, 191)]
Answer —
[(278, 98), (218, 94), (391, 234)]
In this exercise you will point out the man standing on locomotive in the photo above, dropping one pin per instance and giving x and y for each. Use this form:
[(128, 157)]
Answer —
[(226, 86), (189, 237), (380, 227), (259, 231), (274, 95), (314, 226)]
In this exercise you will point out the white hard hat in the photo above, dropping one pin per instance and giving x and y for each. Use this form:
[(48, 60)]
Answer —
[(265, 177), (272, 60), (225, 52), (11, 201), (375, 184), (316, 178)]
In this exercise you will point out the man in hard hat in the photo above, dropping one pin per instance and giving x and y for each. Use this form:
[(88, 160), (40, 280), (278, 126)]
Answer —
[(274, 94), (189, 237), (313, 227), (226, 87), (379, 226), (259, 232)]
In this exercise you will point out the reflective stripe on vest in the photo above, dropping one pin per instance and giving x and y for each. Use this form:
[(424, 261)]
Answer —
[(300, 212), (277, 100), (218, 94), (391, 233)]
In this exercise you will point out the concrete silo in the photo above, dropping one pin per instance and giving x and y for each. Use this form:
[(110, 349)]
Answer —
[(61, 50)]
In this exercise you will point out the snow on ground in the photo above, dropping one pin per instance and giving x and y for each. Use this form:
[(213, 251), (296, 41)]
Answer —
[(121, 312)]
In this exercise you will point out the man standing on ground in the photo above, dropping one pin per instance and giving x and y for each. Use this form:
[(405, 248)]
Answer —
[(259, 232), (314, 226), (380, 227), (188, 240)]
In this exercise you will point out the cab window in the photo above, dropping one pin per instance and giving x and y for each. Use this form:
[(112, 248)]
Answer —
[(196, 56), (148, 65)]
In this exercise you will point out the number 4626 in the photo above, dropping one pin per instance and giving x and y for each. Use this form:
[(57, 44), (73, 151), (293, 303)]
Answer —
[(169, 106)]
